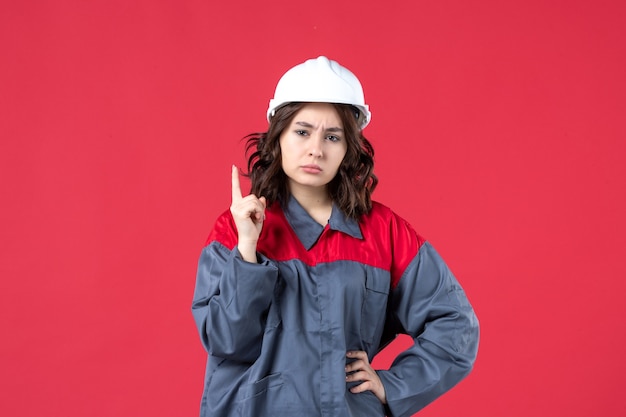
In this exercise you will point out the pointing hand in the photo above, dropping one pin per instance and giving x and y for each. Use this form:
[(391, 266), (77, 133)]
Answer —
[(248, 213)]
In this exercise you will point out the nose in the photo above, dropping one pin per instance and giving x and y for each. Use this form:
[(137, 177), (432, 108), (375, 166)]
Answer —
[(315, 146)]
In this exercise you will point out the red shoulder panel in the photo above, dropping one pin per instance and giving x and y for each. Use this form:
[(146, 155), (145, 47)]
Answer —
[(224, 231), (389, 242)]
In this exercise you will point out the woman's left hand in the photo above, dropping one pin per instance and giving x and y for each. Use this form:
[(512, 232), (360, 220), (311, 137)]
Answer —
[(361, 370)]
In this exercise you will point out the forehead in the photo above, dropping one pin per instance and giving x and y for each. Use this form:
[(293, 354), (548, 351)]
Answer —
[(318, 113)]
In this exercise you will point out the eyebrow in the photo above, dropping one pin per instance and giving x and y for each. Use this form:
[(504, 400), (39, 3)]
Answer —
[(310, 126)]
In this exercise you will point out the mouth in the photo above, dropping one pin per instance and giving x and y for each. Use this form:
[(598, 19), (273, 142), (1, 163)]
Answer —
[(311, 169)]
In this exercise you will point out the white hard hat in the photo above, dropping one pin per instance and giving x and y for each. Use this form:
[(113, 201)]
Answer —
[(320, 81)]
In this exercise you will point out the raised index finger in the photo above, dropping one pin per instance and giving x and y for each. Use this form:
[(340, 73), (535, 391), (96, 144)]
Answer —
[(235, 184)]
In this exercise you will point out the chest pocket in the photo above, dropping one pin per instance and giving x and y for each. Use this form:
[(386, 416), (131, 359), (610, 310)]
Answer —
[(374, 308)]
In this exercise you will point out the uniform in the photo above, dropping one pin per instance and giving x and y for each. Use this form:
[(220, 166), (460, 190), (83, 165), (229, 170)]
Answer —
[(277, 332)]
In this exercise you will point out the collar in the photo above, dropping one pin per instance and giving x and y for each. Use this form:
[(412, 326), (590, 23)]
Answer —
[(309, 231)]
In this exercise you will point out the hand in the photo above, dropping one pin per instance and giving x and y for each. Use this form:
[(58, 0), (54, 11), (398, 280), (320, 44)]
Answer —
[(248, 213), (361, 370)]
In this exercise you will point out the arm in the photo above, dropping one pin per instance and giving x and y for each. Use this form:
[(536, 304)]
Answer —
[(234, 284), (429, 305), (230, 302)]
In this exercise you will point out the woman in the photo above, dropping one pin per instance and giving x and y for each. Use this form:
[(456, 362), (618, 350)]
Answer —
[(303, 281)]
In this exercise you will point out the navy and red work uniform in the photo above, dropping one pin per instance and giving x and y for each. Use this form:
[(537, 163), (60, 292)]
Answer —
[(277, 332)]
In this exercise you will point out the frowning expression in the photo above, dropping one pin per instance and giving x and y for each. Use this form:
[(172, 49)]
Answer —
[(313, 146)]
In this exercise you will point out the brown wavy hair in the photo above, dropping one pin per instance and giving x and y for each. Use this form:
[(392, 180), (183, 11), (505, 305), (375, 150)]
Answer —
[(352, 187)]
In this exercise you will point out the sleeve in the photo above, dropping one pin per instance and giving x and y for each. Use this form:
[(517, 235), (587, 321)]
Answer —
[(231, 299), (429, 305)]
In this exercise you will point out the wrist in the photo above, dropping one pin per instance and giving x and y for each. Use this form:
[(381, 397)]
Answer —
[(248, 252)]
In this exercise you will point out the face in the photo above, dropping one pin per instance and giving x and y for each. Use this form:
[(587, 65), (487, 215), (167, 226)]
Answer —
[(312, 147)]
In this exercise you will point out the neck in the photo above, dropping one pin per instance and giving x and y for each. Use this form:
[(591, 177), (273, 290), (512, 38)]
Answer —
[(315, 201)]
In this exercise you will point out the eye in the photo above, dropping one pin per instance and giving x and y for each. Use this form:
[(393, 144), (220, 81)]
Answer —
[(301, 132), (333, 138)]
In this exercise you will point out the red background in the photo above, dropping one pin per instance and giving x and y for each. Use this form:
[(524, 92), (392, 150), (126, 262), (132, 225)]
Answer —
[(500, 135)]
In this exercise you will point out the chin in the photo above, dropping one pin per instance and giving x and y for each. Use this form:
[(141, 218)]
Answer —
[(313, 184)]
